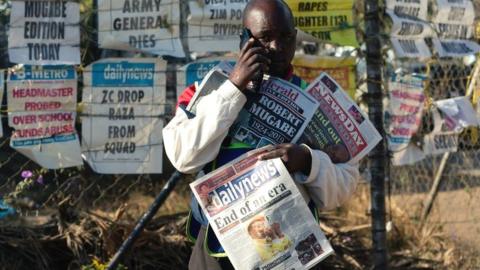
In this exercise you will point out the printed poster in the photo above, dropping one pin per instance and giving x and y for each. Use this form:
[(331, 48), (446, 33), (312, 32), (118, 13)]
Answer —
[(408, 8), (123, 117), (457, 113), (455, 48), (408, 27), (44, 32), (441, 139), (454, 24), (215, 26), (196, 71), (410, 48), (454, 19), (146, 26), (42, 104), (404, 115), (342, 69), (330, 21), (450, 117)]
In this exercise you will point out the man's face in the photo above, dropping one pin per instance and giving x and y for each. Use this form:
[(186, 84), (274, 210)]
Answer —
[(257, 230), (275, 32)]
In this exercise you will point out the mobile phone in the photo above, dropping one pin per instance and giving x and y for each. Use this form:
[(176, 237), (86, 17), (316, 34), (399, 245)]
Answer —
[(245, 36), (258, 76)]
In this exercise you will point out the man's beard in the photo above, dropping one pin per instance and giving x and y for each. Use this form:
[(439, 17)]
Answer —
[(278, 70)]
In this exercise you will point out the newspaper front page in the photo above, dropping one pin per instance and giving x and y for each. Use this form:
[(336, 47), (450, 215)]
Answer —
[(278, 113), (259, 215), (321, 116), (338, 120)]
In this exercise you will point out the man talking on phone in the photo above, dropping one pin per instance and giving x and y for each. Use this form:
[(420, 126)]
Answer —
[(200, 142)]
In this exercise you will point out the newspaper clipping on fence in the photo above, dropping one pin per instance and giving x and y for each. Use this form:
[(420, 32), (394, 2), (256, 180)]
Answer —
[(321, 116), (259, 215)]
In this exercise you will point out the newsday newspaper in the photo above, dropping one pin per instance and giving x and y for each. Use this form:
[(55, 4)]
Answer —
[(321, 116), (259, 215)]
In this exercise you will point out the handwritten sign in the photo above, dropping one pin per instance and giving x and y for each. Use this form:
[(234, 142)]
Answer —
[(151, 26), (124, 107), (42, 110), (44, 32), (327, 20)]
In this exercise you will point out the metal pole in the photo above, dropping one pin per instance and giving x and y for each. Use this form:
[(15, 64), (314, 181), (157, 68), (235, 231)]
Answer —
[(435, 187), (378, 157), (95, 33), (127, 244)]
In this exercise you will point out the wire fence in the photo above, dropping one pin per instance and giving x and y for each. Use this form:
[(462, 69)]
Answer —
[(409, 185), (459, 181)]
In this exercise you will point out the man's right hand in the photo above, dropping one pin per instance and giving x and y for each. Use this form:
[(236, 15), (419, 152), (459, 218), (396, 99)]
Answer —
[(251, 60)]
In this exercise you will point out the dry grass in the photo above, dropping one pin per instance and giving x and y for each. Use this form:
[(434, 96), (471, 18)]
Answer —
[(411, 246), (67, 238)]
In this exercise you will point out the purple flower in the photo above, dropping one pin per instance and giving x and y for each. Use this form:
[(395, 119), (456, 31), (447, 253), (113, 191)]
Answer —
[(40, 179), (27, 174)]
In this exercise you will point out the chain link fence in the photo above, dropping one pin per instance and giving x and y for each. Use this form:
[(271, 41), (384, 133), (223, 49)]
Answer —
[(79, 192), (454, 208)]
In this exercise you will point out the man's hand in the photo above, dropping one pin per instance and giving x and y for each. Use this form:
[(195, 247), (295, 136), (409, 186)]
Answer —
[(251, 60), (296, 158)]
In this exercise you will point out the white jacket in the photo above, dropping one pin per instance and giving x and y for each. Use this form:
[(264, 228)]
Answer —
[(192, 143)]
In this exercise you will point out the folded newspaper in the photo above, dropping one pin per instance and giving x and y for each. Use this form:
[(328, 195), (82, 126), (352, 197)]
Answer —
[(320, 116), (259, 215)]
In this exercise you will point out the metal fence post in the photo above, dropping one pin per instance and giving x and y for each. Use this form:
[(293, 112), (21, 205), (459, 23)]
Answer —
[(378, 157)]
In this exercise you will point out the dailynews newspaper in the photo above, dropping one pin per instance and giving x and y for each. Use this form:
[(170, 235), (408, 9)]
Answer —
[(259, 215)]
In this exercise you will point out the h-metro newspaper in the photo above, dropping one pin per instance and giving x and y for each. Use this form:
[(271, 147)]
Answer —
[(259, 215), (320, 116)]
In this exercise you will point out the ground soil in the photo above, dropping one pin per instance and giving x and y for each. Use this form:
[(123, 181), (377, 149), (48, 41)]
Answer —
[(457, 211)]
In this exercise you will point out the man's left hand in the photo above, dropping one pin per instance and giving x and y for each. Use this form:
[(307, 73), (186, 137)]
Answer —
[(296, 158)]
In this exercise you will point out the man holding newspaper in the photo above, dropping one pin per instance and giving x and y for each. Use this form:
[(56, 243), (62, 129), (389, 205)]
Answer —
[(204, 141)]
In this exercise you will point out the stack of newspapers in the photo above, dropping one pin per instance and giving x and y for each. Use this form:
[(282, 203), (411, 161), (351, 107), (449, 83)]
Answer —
[(254, 207)]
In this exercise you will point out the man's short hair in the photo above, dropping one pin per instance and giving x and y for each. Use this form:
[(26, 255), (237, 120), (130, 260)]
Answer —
[(279, 4)]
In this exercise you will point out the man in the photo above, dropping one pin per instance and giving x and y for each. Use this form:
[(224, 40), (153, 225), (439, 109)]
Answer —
[(193, 143)]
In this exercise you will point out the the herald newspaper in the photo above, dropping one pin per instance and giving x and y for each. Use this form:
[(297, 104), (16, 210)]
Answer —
[(259, 215), (321, 116)]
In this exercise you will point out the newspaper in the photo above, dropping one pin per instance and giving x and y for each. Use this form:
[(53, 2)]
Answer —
[(321, 116), (338, 120), (259, 215), (212, 81)]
